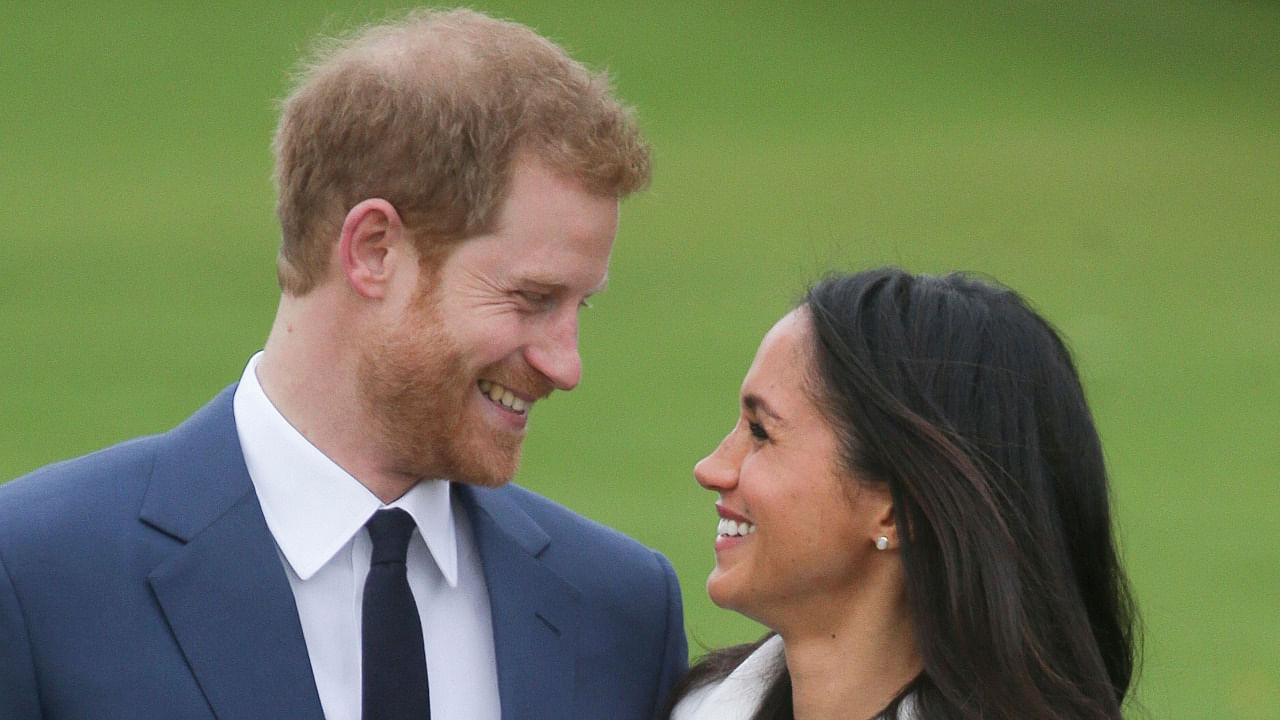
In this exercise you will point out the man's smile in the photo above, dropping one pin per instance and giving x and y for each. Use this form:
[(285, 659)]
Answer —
[(505, 397)]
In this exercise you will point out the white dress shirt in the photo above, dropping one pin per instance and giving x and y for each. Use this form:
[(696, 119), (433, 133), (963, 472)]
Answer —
[(316, 512)]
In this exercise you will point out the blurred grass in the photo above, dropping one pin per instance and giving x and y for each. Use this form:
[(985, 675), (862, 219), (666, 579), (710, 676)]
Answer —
[(1119, 163)]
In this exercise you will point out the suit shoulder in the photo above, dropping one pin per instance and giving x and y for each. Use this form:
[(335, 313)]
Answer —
[(103, 479), (583, 547), (61, 514), (628, 597), (84, 479), (559, 520)]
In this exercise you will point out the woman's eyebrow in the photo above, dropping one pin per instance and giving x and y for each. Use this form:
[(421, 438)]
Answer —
[(755, 403)]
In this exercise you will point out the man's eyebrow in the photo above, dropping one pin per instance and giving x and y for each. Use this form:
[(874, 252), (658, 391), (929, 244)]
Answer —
[(548, 285), (755, 403)]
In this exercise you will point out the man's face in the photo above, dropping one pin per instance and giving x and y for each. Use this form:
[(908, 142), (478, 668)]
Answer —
[(452, 380)]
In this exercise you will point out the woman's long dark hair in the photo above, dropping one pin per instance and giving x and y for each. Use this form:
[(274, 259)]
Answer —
[(966, 404)]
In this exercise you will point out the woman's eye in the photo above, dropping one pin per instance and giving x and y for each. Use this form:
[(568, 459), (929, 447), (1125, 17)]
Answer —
[(757, 430)]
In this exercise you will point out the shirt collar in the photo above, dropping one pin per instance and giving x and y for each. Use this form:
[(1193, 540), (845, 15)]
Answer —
[(312, 506)]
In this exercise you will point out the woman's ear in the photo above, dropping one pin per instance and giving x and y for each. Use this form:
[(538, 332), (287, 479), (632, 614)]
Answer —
[(884, 531), (370, 232)]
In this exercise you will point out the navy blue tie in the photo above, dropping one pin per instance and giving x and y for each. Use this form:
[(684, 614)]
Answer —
[(395, 663)]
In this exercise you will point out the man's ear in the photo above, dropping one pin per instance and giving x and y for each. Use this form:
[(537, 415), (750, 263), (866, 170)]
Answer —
[(371, 232)]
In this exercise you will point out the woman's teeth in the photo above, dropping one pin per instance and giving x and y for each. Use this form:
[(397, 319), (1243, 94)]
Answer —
[(503, 396), (733, 527)]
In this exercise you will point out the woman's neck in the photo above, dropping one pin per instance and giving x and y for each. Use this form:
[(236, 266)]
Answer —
[(852, 668)]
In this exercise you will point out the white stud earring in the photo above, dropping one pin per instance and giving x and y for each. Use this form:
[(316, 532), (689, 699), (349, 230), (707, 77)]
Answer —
[(882, 542)]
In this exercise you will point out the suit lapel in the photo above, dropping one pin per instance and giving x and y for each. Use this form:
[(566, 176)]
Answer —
[(535, 611), (223, 591)]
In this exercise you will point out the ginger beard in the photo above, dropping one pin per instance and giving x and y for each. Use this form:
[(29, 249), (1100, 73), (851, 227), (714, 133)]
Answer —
[(417, 387)]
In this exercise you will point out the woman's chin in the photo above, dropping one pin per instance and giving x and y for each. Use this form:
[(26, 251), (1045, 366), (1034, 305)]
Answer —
[(715, 587), (723, 591)]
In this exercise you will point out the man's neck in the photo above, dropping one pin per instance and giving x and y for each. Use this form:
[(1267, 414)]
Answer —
[(308, 372)]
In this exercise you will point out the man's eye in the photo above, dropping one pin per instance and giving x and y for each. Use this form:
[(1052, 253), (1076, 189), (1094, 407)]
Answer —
[(757, 430), (534, 298)]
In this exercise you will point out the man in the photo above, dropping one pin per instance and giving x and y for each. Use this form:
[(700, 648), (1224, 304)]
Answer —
[(448, 194)]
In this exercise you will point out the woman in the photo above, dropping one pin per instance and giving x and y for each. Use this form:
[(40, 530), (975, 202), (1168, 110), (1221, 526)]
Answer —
[(914, 501)]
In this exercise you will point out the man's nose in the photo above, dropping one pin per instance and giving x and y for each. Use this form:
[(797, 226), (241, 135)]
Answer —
[(556, 354)]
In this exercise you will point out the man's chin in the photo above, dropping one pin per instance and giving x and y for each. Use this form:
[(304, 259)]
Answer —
[(489, 472)]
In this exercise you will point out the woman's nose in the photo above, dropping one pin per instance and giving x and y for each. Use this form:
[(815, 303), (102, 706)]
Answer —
[(718, 471)]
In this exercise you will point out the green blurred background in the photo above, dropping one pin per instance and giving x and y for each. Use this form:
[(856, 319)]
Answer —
[(1118, 162)]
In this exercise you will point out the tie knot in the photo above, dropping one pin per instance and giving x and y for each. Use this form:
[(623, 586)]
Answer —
[(390, 531)]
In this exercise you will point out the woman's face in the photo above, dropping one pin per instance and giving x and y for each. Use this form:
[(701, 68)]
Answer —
[(795, 530)]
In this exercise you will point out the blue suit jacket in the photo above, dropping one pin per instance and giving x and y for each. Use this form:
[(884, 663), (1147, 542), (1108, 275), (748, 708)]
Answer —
[(141, 582)]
